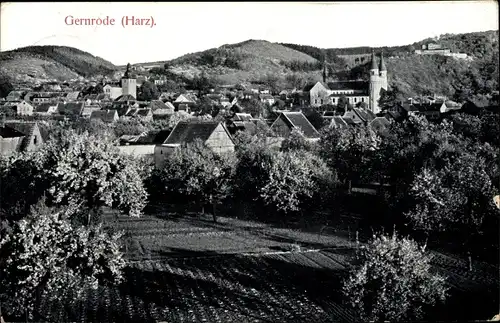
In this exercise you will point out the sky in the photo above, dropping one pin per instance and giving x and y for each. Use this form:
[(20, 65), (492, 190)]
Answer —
[(182, 28)]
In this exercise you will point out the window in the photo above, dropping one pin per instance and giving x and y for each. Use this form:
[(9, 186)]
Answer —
[(362, 99), (34, 140), (161, 152)]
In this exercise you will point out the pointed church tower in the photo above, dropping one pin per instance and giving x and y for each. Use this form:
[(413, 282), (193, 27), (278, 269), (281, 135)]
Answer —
[(325, 71), (375, 86), (383, 72), (129, 83)]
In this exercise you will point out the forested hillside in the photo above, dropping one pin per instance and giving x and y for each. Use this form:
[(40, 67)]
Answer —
[(52, 62)]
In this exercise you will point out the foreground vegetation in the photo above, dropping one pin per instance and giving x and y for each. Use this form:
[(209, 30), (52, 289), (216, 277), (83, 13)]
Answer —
[(441, 177)]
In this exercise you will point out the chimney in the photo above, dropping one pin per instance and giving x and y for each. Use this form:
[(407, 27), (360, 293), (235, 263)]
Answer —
[(2, 122)]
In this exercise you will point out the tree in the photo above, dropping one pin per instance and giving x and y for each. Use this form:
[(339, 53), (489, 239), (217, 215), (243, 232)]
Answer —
[(392, 281), (343, 103), (148, 91), (47, 257), (75, 169), (199, 174), (5, 86), (292, 180), (350, 152), (389, 98), (490, 129), (466, 125), (253, 106), (453, 199), (296, 141)]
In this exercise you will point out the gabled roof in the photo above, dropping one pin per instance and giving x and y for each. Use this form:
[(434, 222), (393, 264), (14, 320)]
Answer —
[(157, 104), (74, 108), (187, 132), (242, 117), (125, 97), (364, 115), (428, 107), (143, 112), (132, 112), (349, 121), (298, 120), (104, 115), (8, 132), (394, 115), (73, 95), (339, 122), (348, 85), (380, 122), (26, 128), (44, 107), (184, 98)]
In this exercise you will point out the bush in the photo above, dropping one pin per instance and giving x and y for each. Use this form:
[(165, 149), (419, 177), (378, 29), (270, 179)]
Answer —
[(393, 281)]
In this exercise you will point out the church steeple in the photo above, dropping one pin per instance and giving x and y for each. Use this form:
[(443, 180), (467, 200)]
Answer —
[(325, 72), (127, 72), (374, 62), (382, 63)]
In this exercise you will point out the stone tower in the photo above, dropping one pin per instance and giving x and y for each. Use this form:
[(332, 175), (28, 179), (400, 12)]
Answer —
[(378, 81), (325, 72), (383, 72), (129, 83)]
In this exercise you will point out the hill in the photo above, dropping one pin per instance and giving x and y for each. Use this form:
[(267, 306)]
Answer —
[(251, 60), (33, 63), (475, 44), (415, 75)]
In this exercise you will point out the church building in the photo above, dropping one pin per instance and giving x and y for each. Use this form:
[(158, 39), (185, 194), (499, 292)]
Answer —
[(355, 91), (128, 86)]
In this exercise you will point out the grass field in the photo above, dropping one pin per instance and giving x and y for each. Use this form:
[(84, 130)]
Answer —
[(189, 269)]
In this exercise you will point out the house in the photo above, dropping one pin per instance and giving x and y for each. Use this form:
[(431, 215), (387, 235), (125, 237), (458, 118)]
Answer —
[(108, 116), (394, 115), (213, 134), (287, 121), (143, 144), (45, 109), (43, 97), (88, 109), (242, 117), (379, 124), (22, 108), (339, 123), (184, 102), (431, 111), (267, 99), (19, 137), (112, 92), (144, 114), (72, 96), (360, 116), (15, 96), (167, 96), (70, 109)]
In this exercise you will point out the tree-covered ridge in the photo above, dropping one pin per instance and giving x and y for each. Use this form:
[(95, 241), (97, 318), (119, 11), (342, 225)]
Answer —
[(477, 44), (244, 55), (81, 62)]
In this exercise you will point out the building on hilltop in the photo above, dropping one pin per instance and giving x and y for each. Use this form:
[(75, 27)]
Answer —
[(355, 91)]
